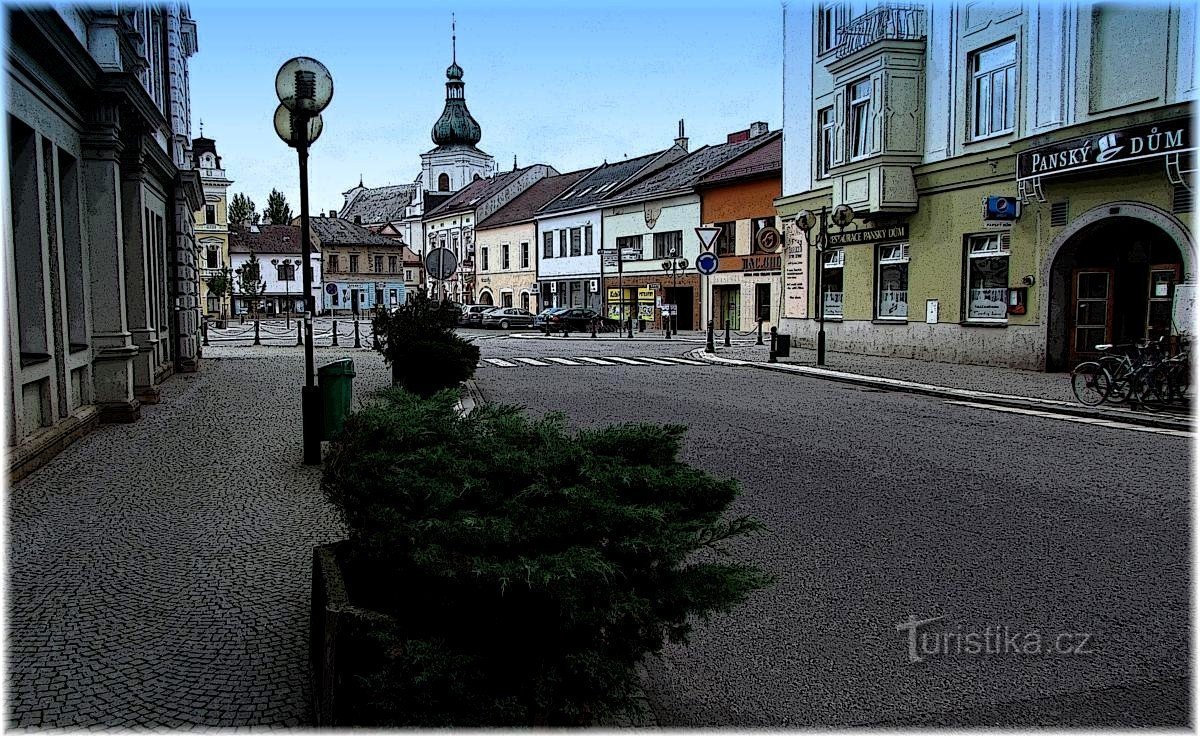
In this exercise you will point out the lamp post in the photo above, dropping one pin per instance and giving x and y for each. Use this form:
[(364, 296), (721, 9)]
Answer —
[(289, 273), (805, 220), (304, 87), (674, 265)]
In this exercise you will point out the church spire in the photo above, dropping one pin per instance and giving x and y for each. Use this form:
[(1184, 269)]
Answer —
[(455, 126)]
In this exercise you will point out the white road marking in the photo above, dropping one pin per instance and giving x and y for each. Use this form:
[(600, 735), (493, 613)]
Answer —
[(499, 362), (683, 361), (654, 361), (531, 362), (591, 360), (566, 362), (623, 360), (1075, 419)]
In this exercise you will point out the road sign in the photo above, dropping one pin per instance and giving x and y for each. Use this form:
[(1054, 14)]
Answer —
[(768, 240), (441, 263), (631, 253), (708, 236), (331, 288), (669, 310), (706, 263), (609, 258)]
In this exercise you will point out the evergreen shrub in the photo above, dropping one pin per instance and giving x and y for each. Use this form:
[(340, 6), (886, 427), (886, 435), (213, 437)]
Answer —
[(526, 568), (417, 339)]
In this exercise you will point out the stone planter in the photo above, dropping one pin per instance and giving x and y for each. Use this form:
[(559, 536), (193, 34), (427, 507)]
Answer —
[(336, 635)]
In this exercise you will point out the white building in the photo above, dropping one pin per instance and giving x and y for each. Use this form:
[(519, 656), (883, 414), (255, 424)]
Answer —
[(278, 251)]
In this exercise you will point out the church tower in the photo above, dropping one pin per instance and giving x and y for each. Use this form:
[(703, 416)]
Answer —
[(456, 162)]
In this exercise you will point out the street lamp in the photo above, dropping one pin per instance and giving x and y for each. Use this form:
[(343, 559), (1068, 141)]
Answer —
[(673, 265), (289, 273), (805, 220), (304, 87)]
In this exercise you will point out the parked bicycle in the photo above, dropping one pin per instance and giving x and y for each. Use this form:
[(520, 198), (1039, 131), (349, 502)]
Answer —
[(1140, 373)]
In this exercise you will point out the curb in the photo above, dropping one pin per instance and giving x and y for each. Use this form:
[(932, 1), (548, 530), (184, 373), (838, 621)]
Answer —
[(585, 336), (470, 398), (989, 398)]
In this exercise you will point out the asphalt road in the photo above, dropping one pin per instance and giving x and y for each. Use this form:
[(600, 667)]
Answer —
[(889, 507)]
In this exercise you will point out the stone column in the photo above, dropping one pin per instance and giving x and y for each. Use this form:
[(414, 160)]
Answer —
[(113, 350), (138, 277)]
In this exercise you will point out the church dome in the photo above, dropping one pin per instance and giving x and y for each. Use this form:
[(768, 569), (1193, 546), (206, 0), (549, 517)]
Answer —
[(456, 126), (454, 71)]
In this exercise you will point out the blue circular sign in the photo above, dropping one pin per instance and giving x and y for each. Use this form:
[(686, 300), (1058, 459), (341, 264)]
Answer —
[(331, 289), (706, 263)]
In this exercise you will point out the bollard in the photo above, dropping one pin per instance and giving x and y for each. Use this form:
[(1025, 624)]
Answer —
[(357, 344), (256, 341), (334, 334), (667, 326), (241, 319), (708, 348), (299, 333), (727, 332), (204, 331), (593, 328), (771, 359), (760, 322)]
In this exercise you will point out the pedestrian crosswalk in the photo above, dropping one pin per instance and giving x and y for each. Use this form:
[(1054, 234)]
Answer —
[(544, 361)]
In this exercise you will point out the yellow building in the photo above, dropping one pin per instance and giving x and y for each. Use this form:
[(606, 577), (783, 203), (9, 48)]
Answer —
[(212, 224)]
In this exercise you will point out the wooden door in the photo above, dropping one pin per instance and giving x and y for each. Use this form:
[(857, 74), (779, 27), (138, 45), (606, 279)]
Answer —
[(1091, 311)]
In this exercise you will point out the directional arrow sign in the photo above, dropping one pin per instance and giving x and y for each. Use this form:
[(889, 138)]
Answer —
[(706, 263), (708, 236)]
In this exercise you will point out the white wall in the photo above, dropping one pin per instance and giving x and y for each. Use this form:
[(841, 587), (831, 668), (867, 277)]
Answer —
[(680, 213), (569, 266)]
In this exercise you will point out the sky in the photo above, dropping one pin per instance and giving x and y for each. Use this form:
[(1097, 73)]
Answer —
[(569, 85)]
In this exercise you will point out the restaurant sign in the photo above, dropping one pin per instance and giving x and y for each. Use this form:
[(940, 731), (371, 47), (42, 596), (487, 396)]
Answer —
[(1113, 147), (869, 235), (752, 263)]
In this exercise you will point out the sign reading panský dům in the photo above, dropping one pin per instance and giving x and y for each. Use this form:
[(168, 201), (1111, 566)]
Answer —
[(869, 235), (1113, 147)]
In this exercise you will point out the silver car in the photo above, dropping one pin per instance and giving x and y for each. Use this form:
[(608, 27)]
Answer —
[(507, 317)]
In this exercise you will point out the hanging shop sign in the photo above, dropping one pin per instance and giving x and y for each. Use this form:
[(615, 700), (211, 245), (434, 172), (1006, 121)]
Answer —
[(754, 263), (1112, 147), (869, 235)]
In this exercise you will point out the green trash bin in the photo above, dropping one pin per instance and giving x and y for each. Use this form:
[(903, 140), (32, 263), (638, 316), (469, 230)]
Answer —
[(336, 381)]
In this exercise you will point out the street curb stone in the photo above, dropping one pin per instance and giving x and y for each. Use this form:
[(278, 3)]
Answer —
[(989, 398)]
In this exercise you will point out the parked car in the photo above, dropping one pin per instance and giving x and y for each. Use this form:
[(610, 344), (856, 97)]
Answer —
[(507, 317), (579, 319), (473, 314), (539, 320)]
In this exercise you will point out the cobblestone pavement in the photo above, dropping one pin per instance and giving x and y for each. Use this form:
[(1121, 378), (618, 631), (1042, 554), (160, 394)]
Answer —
[(159, 572)]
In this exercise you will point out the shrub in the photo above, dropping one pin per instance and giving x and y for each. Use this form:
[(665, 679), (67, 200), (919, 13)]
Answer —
[(417, 339), (528, 569)]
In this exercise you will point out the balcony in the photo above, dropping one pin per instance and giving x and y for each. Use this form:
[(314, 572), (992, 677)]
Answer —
[(886, 23)]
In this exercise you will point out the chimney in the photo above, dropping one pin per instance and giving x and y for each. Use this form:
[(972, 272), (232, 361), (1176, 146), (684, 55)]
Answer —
[(758, 128), (737, 136), (682, 141)]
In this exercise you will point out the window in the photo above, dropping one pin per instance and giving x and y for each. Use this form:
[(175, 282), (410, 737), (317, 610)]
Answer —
[(392, 264), (214, 304), (210, 214), (587, 241), (575, 242), (987, 277), (762, 300), (214, 257), (826, 143), (524, 254), (525, 300), (504, 256), (562, 242), (333, 262), (668, 245), (726, 243), (548, 245), (285, 272), (354, 262), (830, 17), (860, 119), (378, 263), (832, 281), (443, 183), (506, 301), (891, 275), (408, 275), (483, 259), (629, 247), (756, 225), (993, 89)]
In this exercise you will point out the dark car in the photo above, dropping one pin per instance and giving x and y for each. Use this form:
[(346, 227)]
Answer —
[(507, 317), (539, 320), (579, 319), (472, 315)]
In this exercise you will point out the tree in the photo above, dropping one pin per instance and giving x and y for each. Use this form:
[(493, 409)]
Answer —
[(250, 282), (221, 285), (418, 340), (277, 212), (242, 211)]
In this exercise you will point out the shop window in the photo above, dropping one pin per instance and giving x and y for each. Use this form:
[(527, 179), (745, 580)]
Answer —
[(993, 89), (832, 281), (762, 301), (668, 245), (726, 243), (891, 280), (524, 300), (987, 277), (506, 299)]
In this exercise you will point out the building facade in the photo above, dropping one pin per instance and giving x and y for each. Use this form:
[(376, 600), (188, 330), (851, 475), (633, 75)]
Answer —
[(361, 268), (278, 251), (212, 225), (1021, 176), (100, 244)]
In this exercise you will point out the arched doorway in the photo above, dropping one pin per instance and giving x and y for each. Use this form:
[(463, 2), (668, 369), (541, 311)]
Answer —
[(1112, 280), (485, 298)]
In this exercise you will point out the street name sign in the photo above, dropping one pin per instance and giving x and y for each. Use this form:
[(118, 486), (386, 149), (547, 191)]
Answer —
[(708, 236)]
